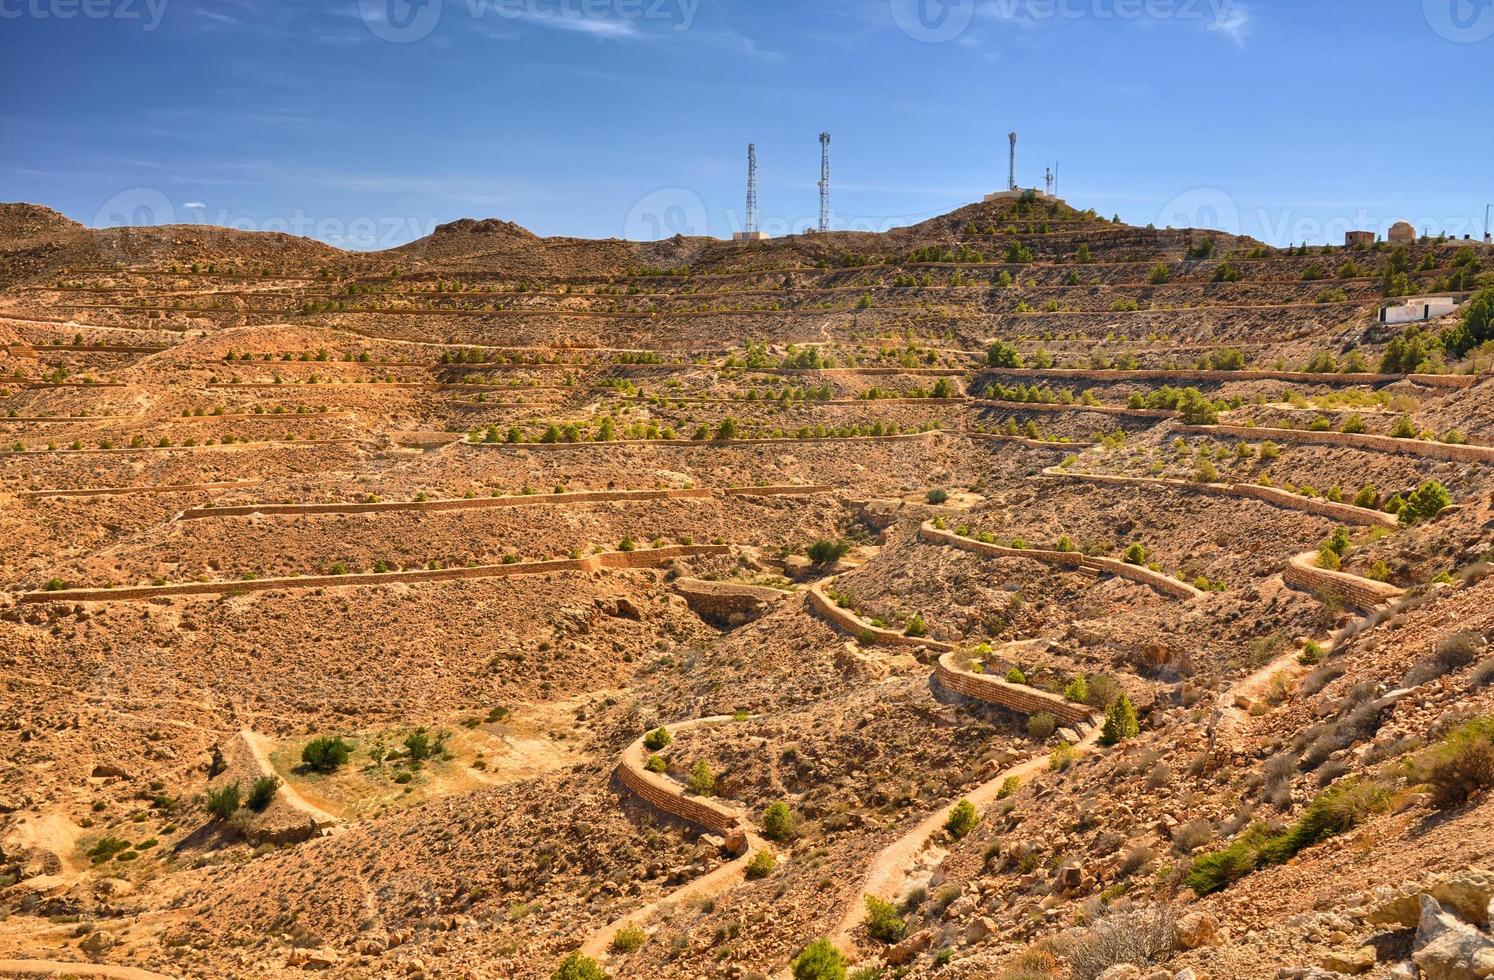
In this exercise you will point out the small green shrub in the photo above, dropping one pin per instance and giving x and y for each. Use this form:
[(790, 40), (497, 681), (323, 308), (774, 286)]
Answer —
[(761, 866), (629, 939), (223, 802), (883, 923), (262, 791), (325, 753), (578, 967), (1041, 726), (962, 819), (657, 739), (820, 960), (1120, 722), (702, 781), (825, 552), (778, 821)]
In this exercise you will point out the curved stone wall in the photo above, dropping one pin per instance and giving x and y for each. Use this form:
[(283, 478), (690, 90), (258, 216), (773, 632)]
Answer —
[(691, 443), (1014, 697), (122, 491), (1143, 413), (663, 793), (1303, 572), (1163, 583), (1357, 440), (1301, 377), (1347, 513), (609, 560), (853, 624)]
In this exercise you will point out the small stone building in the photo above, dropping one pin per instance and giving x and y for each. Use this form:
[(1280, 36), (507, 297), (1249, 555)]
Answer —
[(1353, 238), (1403, 233), (1418, 309)]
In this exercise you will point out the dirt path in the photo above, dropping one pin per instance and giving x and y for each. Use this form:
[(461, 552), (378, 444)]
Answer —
[(901, 864), (261, 755), (53, 968)]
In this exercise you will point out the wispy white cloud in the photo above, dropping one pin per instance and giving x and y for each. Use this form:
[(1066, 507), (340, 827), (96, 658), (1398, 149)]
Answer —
[(1233, 21), (194, 205)]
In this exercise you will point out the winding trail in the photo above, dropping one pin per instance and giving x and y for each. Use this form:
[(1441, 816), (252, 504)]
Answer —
[(260, 753), (668, 796)]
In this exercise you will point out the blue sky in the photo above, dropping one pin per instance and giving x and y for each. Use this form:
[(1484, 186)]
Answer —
[(366, 122)]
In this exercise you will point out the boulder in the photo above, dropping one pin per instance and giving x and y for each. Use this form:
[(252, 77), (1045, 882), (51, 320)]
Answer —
[(978, 929), (908, 950), (1468, 893), (1121, 971), (313, 959), (1197, 929), (1447, 948), (1352, 962)]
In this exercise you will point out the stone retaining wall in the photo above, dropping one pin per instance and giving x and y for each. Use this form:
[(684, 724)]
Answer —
[(1143, 413), (609, 560), (690, 443), (488, 503), (853, 624), (663, 793), (1303, 572), (121, 491), (1357, 440), (1031, 443), (265, 444), (1301, 377), (1014, 697), (1163, 583), (1347, 513)]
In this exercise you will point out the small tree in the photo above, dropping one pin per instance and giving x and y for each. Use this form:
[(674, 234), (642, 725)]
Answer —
[(1425, 503), (702, 781), (820, 960), (1120, 722), (1077, 690), (778, 821), (262, 791), (325, 753), (223, 802), (962, 819), (629, 939), (657, 739), (825, 552), (1136, 554), (916, 627)]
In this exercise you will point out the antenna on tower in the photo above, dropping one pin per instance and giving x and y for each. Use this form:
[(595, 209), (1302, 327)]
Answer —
[(750, 232), (1011, 180), (824, 182), (1048, 180), (751, 188)]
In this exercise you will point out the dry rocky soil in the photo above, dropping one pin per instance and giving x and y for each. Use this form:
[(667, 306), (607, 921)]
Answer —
[(473, 515)]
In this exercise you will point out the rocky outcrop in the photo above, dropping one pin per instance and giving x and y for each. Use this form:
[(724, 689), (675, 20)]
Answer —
[(728, 603)]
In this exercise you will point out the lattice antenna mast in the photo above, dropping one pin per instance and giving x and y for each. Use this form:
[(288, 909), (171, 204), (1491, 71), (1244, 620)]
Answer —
[(824, 182), (1048, 179), (1011, 180), (751, 187)]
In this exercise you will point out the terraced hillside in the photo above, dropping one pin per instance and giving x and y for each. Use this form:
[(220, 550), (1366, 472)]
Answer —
[(1018, 594)]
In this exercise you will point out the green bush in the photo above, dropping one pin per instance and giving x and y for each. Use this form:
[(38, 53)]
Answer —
[(702, 781), (1336, 810), (1003, 355), (825, 552), (1015, 676), (916, 627), (761, 865), (223, 802), (1429, 500), (629, 939), (325, 753), (1041, 726), (262, 791), (1120, 722), (657, 739), (962, 819), (578, 967), (882, 920), (937, 496), (778, 821), (820, 960)]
